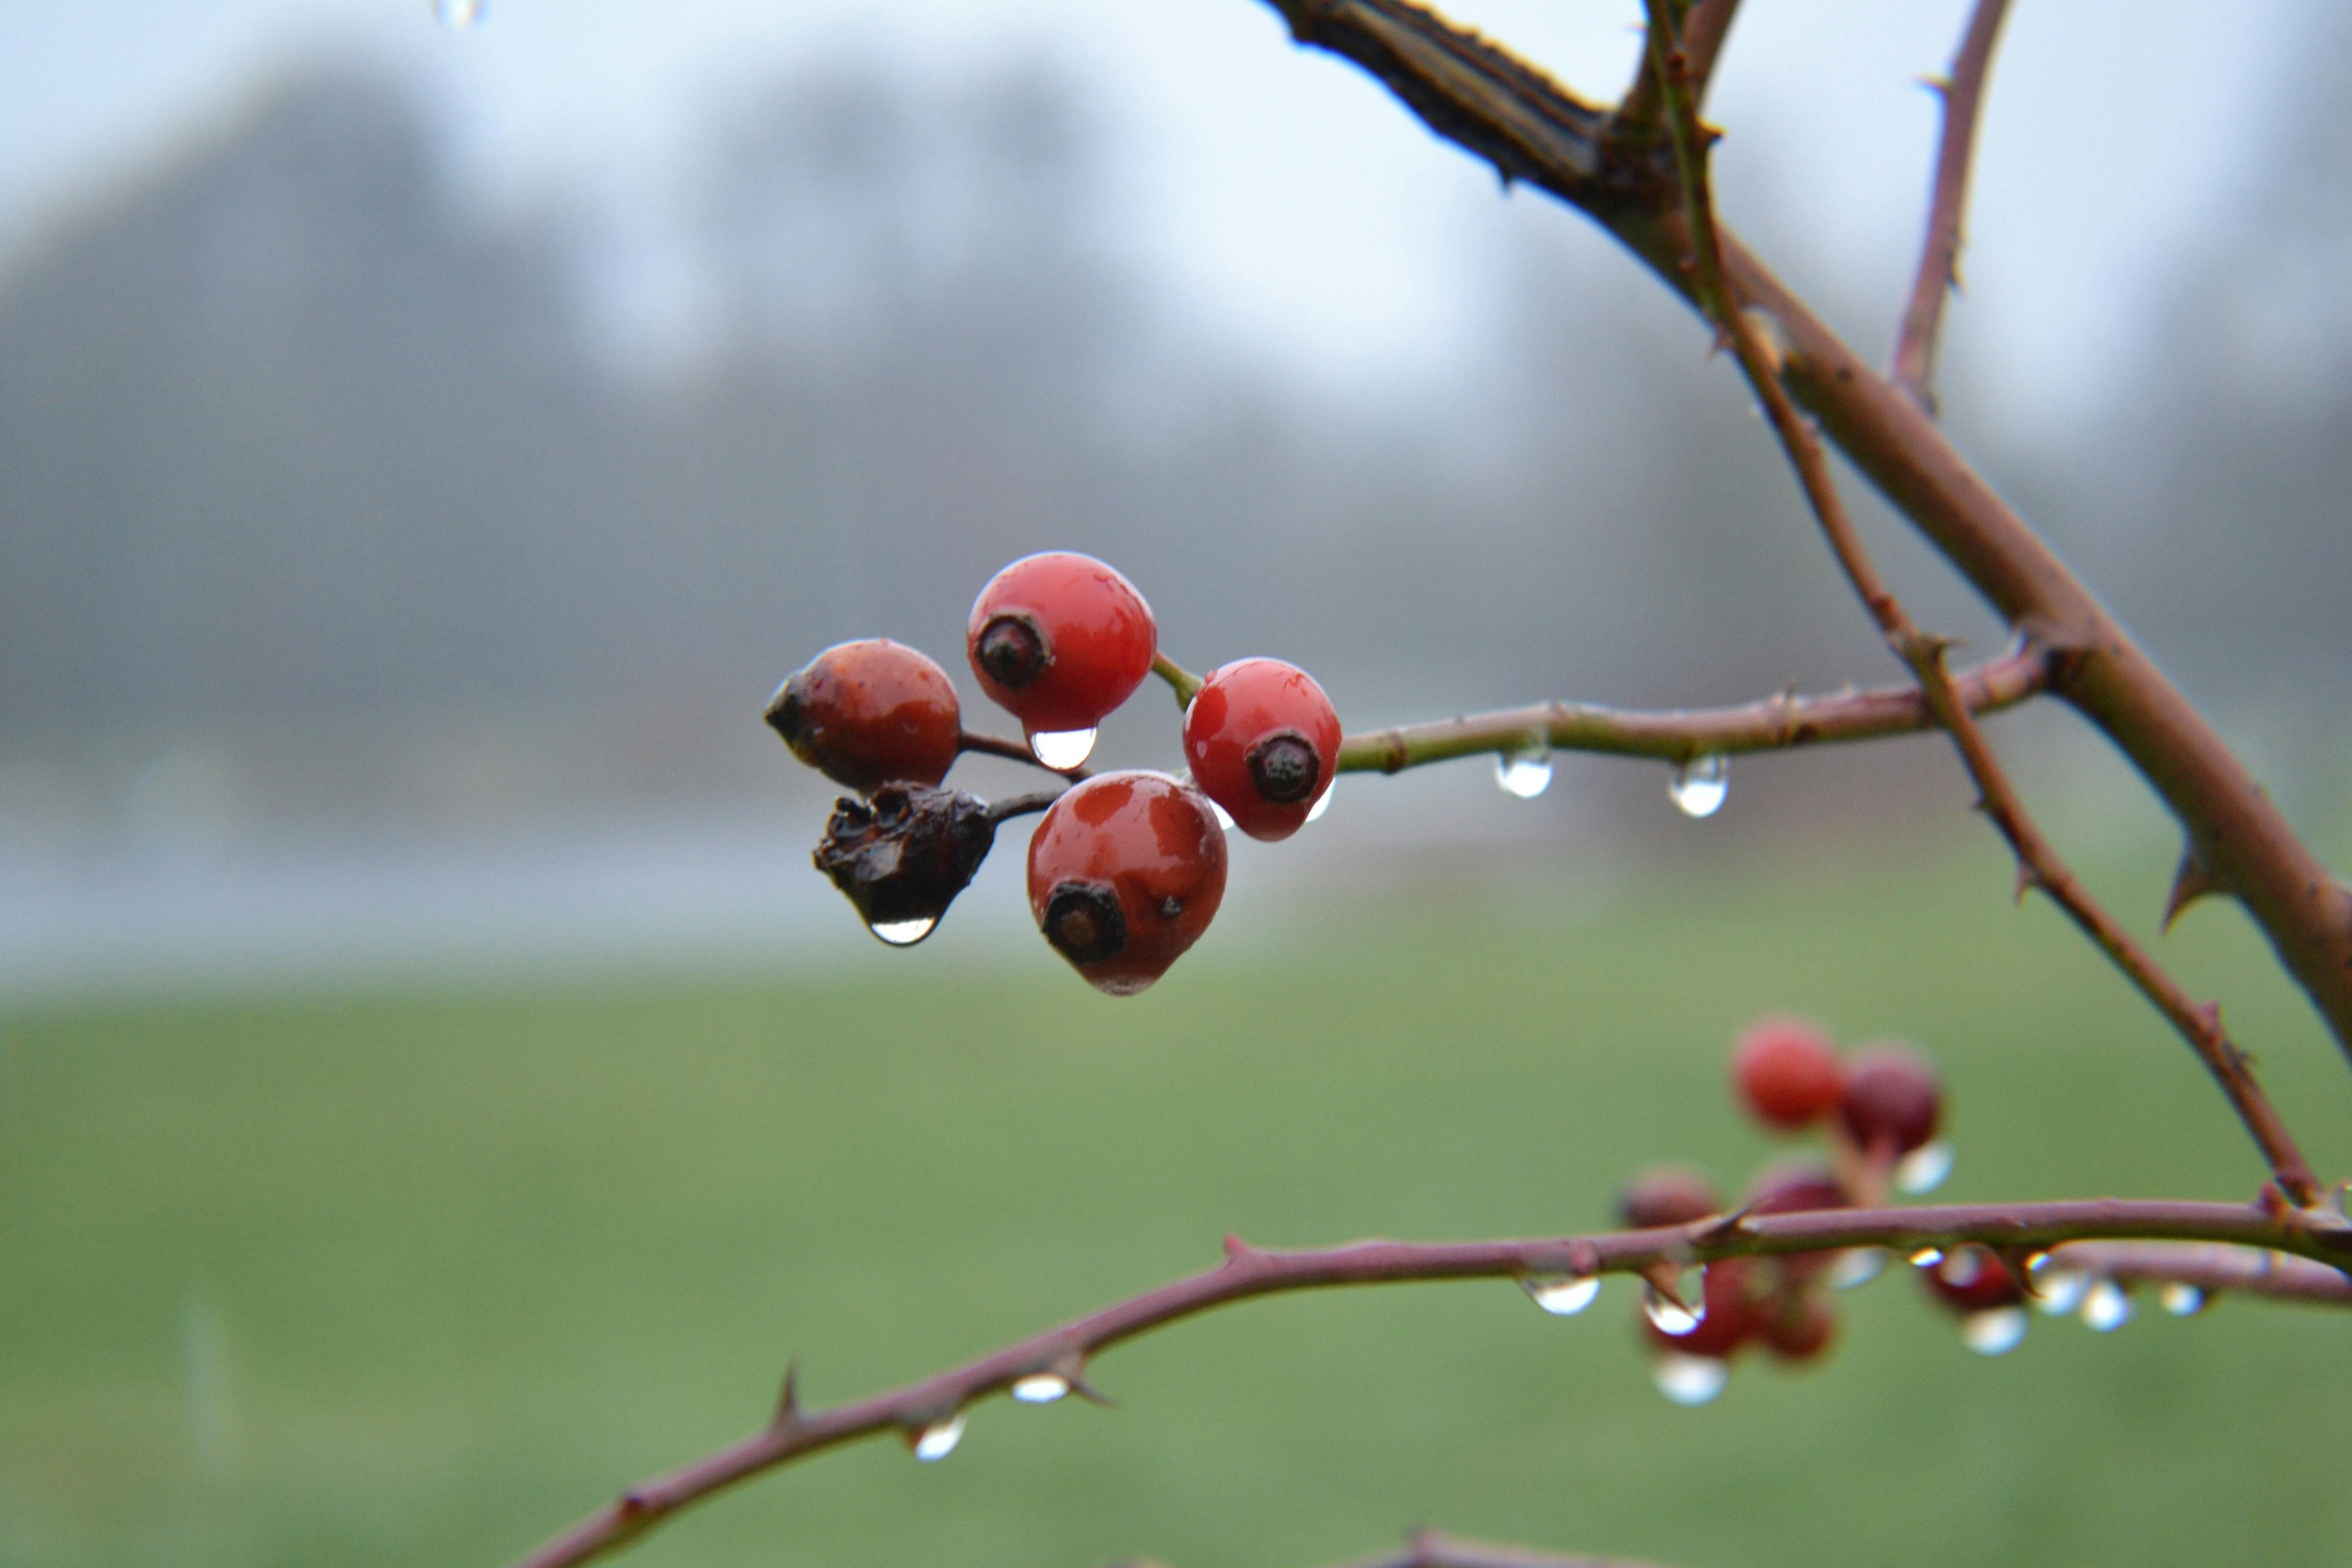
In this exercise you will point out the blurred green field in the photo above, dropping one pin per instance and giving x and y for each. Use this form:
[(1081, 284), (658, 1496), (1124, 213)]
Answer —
[(417, 1279)]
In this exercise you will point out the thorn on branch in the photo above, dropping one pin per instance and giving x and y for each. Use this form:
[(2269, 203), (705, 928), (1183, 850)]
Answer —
[(2191, 881), (788, 1403), (1238, 1252)]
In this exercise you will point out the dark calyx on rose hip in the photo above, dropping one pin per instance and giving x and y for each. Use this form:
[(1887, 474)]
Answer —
[(1083, 923), (1285, 768), (1011, 650), (903, 856)]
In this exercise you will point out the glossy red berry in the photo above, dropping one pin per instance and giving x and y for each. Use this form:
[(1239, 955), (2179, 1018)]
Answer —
[(1971, 1279), (1797, 1186), (1059, 640), (1785, 1071), (870, 713), (1670, 1194), (1124, 875), (1264, 743), (1731, 1319), (1892, 1101), (1798, 1325)]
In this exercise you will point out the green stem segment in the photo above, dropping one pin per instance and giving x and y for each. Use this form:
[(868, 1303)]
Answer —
[(1181, 680)]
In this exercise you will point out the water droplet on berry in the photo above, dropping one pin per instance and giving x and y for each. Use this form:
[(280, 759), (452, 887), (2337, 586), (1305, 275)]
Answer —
[(1322, 803), (2060, 1291), (2106, 1307), (1924, 1169), (459, 15), (904, 933), (2182, 1299), (1525, 773), (1670, 1317), (1040, 1388), (1563, 1296), (939, 1439), (1690, 1379), (1927, 1257), (1996, 1333), (1225, 818), (1699, 785), (1062, 750), (1857, 1266)]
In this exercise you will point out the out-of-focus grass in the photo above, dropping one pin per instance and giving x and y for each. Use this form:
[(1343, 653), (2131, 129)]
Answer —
[(419, 1279)]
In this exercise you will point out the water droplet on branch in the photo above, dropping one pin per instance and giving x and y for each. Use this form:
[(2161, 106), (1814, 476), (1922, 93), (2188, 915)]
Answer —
[(1857, 1265), (1040, 1388), (2060, 1291), (1525, 774), (937, 1440), (1924, 1169), (2106, 1307), (1563, 1296), (904, 933), (1996, 1333), (1690, 1379), (1669, 1316), (2182, 1299), (1699, 785), (1927, 1257), (1062, 750)]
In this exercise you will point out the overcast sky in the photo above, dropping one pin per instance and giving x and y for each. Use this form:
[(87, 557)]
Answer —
[(1291, 204)]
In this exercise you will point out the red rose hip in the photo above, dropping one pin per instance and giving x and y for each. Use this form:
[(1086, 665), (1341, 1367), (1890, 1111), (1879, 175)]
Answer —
[(1058, 640), (1891, 1100), (1970, 1279), (1669, 1194), (1125, 874), (870, 713), (1264, 743), (1786, 1072)]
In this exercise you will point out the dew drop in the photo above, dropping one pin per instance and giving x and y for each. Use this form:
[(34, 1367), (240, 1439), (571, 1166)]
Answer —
[(1563, 1296), (1857, 1266), (904, 933), (2182, 1299), (1322, 803), (1690, 1379), (459, 15), (1525, 773), (2060, 1291), (1670, 1317), (1040, 1388), (1225, 818), (2106, 1307), (1699, 785), (1062, 750), (1996, 1333), (939, 1439), (1927, 1257), (1924, 1169)]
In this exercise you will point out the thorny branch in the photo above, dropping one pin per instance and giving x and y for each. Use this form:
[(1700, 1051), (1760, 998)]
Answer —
[(2039, 864), (1429, 1549), (1776, 723), (1510, 114), (1939, 259), (1246, 1273)]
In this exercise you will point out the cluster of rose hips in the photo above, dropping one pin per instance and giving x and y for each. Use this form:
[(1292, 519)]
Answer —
[(1127, 869), (1879, 1110)]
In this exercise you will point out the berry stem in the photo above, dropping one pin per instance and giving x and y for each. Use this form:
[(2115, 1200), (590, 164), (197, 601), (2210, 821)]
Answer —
[(1012, 751), (1013, 805), (1182, 681)]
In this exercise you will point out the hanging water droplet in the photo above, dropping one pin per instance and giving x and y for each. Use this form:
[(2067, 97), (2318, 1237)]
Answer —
[(2181, 1298), (1040, 1388), (1525, 774), (1857, 1266), (1699, 785), (1996, 1333), (1924, 1169), (1563, 1296), (2106, 1307), (1690, 1379), (1322, 803), (1927, 1257), (939, 1439), (1671, 1317), (904, 933), (459, 15), (1062, 750), (1225, 818), (2060, 1291)]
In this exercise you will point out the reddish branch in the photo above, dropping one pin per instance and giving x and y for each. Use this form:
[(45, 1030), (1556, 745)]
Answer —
[(1501, 109), (1248, 1273), (1939, 259), (2211, 1267), (2039, 864), (1428, 1549), (1775, 724)]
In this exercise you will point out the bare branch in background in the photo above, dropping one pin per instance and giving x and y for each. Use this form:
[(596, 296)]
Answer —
[(1429, 1549), (1940, 258)]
